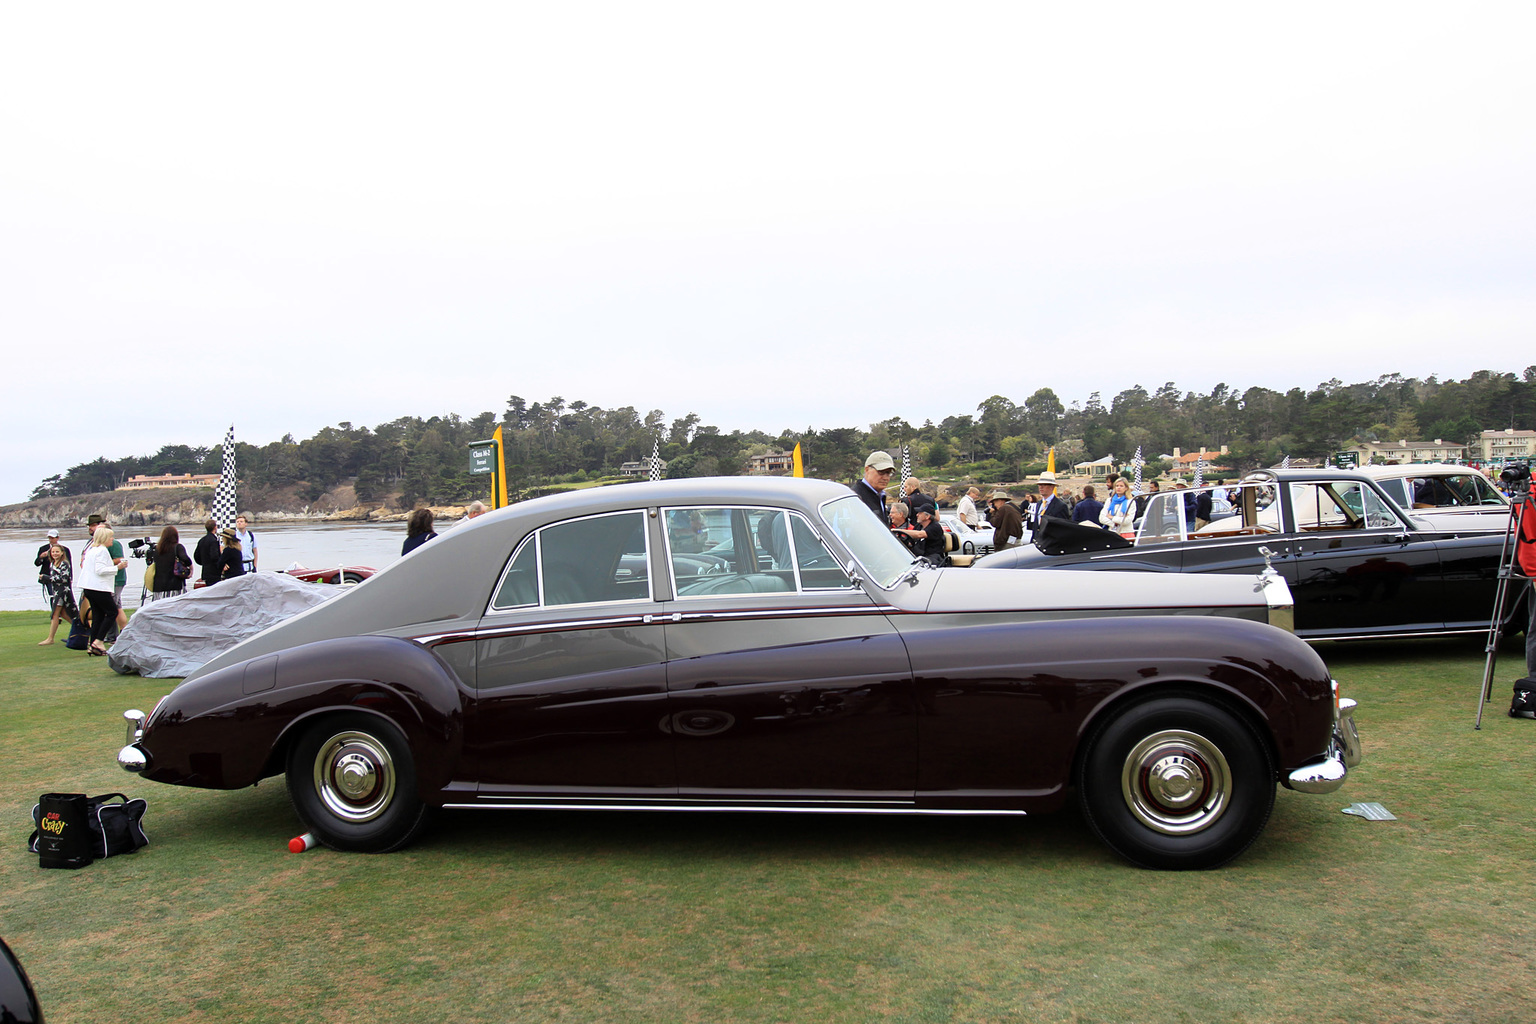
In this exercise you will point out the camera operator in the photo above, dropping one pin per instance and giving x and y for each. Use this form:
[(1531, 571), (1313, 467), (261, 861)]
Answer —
[(1518, 482)]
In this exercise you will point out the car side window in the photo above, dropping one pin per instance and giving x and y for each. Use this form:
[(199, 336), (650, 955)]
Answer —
[(1483, 492), (1378, 513), (583, 561), (733, 550), (818, 569), (1163, 520), (1322, 507), (520, 585), (1397, 490)]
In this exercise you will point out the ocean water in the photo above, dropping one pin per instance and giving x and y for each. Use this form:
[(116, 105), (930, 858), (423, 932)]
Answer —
[(278, 546)]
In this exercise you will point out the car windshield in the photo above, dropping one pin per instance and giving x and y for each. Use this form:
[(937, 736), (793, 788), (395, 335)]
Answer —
[(871, 541)]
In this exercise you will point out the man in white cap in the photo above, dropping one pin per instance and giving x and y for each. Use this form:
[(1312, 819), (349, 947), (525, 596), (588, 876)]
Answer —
[(871, 490), (43, 558), (1049, 505)]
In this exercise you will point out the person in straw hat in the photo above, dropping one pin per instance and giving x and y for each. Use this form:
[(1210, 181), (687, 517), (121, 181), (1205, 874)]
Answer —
[(1007, 524), (1050, 505), (230, 562)]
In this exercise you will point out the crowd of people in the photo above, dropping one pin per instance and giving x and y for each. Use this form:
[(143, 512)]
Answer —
[(101, 573), (915, 517), (99, 576), (1015, 520)]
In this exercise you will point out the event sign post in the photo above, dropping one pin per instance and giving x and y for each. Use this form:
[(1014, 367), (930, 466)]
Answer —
[(484, 457)]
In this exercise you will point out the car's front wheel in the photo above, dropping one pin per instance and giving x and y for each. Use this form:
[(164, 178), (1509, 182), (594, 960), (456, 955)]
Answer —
[(1177, 783), (353, 783)]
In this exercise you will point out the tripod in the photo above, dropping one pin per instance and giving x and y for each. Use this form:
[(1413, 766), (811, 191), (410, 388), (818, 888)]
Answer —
[(1520, 506)]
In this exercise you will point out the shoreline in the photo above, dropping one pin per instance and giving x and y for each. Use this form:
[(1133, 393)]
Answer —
[(182, 506)]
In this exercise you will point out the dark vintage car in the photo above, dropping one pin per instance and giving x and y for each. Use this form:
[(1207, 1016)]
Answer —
[(18, 1002), (760, 644), (1358, 565)]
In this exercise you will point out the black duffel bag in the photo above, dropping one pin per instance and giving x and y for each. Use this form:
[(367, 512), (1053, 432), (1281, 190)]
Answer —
[(1524, 704), (74, 829)]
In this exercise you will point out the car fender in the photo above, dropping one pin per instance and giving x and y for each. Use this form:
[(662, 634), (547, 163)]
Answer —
[(1045, 686), (246, 715)]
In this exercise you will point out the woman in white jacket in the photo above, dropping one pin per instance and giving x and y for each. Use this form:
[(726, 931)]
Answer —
[(98, 569), (1119, 512)]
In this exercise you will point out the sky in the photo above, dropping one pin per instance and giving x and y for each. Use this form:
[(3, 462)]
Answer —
[(775, 216)]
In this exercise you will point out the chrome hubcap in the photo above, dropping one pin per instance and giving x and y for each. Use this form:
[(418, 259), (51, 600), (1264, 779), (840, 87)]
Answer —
[(354, 776), (1176, 782)]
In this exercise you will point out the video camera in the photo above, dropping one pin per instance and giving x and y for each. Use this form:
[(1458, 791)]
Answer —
[(1516, 479), (144, 549)]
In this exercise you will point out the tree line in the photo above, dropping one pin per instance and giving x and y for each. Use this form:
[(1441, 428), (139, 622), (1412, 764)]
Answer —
[(554, 442)]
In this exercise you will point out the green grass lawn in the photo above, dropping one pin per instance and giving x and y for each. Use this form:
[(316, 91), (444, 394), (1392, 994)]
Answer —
[(678, 917)]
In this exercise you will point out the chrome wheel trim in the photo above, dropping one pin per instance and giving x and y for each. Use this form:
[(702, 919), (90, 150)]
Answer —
[(1176, 782), (355, 776)]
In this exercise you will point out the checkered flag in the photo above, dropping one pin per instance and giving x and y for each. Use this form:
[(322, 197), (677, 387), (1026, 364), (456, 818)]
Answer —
[(906, 464), (1285, 463), (1136, 465), (224, 504), (1200, 470), (655, 458)]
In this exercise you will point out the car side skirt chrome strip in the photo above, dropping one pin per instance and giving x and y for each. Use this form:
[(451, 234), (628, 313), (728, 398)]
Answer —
[(1317, 635), (493, 632), (498, 805)]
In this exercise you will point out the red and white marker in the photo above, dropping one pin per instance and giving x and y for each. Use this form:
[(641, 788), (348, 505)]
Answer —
[(301, 843)]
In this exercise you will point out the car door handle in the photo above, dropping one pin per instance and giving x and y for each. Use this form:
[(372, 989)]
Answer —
[(651, 620)]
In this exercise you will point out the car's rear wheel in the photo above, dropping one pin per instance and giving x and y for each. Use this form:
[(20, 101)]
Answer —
[(1177, 783), (352, 781)]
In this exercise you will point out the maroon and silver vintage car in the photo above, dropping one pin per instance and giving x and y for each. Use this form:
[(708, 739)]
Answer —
[(761, 644)]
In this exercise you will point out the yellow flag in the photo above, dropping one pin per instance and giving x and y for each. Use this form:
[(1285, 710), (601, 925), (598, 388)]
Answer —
[(1050, 460), (799, 464), (499, 497)]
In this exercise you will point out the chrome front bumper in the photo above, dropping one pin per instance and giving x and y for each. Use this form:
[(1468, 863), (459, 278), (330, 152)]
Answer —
[(1344, 753)]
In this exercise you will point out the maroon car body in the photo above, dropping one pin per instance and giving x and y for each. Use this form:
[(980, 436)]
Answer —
[(571, 653)]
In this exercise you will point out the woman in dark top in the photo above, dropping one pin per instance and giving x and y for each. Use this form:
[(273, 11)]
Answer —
[(418, 530), (172, 566), (230, 564)]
